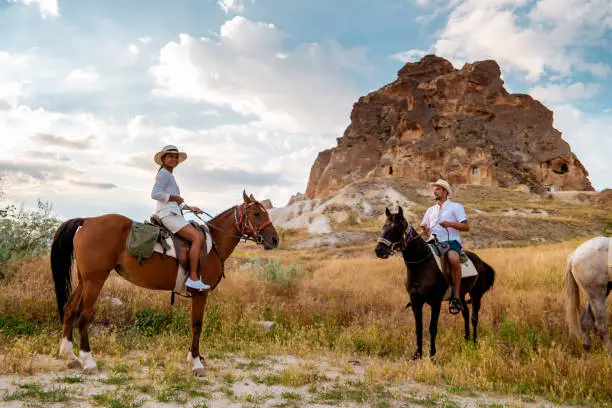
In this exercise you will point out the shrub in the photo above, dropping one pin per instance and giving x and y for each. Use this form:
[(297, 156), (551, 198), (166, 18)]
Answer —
[(26, 233)]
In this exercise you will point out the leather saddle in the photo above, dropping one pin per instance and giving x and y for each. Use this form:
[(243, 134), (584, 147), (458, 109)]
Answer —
[(181, 245), (442, 248)]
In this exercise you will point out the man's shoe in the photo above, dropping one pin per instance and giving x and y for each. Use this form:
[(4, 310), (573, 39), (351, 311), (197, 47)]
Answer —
[(196, 284)]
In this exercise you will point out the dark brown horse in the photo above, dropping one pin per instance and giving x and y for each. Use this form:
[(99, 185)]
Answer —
[(98, 245), (425, 282)]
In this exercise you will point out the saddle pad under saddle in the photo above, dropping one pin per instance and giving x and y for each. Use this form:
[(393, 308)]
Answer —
[(467, 268), (181, 276)]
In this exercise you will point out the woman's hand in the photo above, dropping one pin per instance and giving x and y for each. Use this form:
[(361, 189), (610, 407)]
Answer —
[(196, 210), (177, 199)]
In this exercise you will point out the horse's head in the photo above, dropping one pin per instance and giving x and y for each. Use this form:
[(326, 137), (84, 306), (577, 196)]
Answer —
[(254, 222), (392, 237)]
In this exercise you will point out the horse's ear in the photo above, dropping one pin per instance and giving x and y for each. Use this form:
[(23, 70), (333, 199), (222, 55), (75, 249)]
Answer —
[(400, 212), (245, 197), (387, 212), (251, 197)]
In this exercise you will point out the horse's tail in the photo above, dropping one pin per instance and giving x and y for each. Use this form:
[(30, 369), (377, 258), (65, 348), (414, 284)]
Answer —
[(61, 261), (490, 274), (572, 301)]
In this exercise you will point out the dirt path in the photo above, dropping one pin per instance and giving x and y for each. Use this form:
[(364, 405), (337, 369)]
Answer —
[(234, 381)]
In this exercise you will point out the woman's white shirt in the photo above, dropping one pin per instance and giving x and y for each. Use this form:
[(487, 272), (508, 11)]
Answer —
[(165, 186)]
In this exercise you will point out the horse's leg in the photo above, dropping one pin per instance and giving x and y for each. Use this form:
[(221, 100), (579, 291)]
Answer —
[(91, 291), (198, 302), (587, 321), (71, 310), (466, 316), (433, 327), (417, 311), (598, 306), (476, 302)]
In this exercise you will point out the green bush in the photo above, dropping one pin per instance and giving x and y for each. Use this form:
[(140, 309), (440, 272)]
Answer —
[(16, 325), (275, 271), (150, 322), (26, 233)]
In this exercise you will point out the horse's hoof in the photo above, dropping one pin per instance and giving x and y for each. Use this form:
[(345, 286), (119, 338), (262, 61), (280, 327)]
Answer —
[(417, 356), (199, 372), (586, 347), (90, 370)]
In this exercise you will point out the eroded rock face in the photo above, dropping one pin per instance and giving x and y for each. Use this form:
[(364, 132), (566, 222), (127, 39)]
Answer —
[(462, 125)]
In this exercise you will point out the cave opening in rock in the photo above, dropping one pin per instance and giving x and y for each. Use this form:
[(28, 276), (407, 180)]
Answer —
[(390, 170), (561, 169)]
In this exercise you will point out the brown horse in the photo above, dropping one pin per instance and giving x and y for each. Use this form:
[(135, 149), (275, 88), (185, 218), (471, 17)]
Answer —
[(98, 245)]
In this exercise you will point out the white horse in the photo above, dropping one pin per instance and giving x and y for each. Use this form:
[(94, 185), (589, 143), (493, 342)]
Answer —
[(590, 267)]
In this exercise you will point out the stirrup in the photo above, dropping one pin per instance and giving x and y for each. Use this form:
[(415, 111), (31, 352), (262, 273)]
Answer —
[(454, 307)]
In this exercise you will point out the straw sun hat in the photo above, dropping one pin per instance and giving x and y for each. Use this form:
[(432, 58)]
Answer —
[(169, 149), (444, 184)]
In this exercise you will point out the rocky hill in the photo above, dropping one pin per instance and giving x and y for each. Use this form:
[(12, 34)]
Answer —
[(459, 124), (354, 215)]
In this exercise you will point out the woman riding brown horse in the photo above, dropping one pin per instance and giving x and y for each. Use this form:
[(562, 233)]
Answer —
[(98, 245)]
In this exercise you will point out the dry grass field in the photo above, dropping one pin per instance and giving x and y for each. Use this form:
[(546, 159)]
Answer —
[(342, 337)]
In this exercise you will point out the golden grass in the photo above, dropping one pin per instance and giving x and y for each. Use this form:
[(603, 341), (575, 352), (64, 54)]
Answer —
[(349, 304)]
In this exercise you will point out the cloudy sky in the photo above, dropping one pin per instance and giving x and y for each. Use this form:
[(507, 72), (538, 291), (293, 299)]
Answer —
[(254, 89)]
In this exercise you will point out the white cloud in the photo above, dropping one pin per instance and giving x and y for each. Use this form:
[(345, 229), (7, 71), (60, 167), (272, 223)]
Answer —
[(145, 40), (82, 77), (232, 6), (564, 93), (140, 125), (410, 55), (48, 8), (133, 49), (13, 82), (537, 39), (308, 90)]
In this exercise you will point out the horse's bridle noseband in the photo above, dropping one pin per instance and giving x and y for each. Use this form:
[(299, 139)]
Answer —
[(247, 230), (408, 235)]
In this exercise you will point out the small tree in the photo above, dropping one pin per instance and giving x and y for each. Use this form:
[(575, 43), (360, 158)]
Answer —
[(26, 233)]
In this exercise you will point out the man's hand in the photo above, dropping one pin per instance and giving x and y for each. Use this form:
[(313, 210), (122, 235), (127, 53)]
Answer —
[(461, 226)]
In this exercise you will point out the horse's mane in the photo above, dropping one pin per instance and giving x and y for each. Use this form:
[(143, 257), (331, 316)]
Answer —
[(223, 214)]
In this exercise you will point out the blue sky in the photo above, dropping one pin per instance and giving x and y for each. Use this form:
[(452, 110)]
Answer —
[(254, 89)]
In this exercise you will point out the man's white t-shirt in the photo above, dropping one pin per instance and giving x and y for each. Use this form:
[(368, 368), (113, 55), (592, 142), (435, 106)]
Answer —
[(449, 211)]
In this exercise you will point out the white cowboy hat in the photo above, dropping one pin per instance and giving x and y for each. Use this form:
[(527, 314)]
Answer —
[(444, 184), (169, 149)]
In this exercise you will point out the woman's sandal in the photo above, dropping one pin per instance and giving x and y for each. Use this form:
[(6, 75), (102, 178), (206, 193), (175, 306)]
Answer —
[(454, 307)]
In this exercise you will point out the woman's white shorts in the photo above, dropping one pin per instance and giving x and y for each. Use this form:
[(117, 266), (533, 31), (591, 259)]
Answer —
[(174, 222)]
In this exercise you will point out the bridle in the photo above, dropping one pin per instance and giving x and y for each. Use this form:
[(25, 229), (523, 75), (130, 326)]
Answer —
[(408, 234), (248, 231)]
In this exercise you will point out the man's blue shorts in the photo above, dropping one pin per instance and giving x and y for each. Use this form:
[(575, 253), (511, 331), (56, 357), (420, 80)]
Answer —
[(454, 245)]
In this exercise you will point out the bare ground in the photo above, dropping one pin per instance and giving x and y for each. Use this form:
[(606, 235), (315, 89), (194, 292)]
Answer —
[(237, 381)]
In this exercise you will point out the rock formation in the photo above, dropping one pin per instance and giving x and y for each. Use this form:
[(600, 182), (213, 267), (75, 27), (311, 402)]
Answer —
[(437, 121)]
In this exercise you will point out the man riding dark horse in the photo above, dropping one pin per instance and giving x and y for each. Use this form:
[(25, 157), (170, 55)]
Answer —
[(444, 221)]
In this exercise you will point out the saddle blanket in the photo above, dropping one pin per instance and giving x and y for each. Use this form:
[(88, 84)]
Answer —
[(467, 268), (181, 276)]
